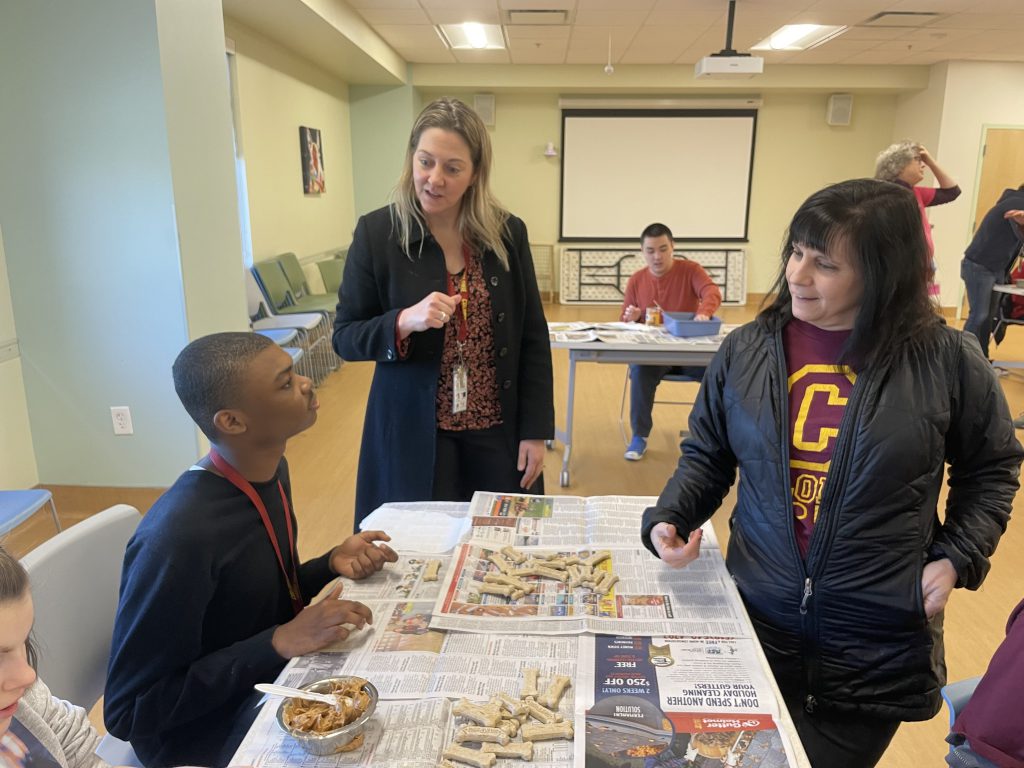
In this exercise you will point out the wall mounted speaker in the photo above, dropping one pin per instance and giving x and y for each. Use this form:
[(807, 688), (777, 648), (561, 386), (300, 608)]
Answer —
[(840, 109), (483, 104)]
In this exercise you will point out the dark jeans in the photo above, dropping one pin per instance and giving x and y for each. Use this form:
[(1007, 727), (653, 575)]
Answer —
[(961, 755), (841, 740), (643, 383), (982, 299), (476, 460)]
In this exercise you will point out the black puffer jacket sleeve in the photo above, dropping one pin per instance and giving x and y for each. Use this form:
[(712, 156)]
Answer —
[(707, 464), (984, 459)]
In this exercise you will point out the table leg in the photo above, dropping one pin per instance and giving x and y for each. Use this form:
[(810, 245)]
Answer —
[(566, 436)]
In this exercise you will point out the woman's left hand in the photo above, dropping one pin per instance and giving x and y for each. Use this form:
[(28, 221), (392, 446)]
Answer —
[(937, 583), (531, 461)]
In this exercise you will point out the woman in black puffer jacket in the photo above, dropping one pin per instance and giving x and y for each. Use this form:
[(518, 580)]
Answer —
[(840, 406)]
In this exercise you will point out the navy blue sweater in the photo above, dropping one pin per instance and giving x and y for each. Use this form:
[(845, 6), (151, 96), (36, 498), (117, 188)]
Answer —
[(201, 596), (997, 239)]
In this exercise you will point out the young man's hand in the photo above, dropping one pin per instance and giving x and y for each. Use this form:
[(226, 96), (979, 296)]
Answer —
[(358, 557), (320, 625)]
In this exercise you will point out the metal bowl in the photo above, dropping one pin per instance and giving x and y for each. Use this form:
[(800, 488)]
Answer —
[(332, 741)]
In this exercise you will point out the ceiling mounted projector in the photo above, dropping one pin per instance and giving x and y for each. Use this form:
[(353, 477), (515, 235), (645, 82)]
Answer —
[(723, 66), (729, 63)]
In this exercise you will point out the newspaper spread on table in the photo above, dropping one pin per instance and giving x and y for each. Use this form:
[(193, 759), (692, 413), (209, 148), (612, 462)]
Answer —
[(421, 667), (665, 702), (626, 333), (635, 702), (553, 521)]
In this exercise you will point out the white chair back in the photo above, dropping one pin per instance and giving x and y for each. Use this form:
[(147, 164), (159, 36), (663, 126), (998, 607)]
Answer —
[(75, 578)]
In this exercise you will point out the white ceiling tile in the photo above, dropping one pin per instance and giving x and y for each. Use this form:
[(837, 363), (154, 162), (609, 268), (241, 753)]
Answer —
[(482, 57), (385, 4), (539, 51), (538, 32), (657, 45), (996, 6), (874, 33), (993, 21), (394, 16), (537, 5), (410, 35), (586, 18), (481, 15), (614, 5)]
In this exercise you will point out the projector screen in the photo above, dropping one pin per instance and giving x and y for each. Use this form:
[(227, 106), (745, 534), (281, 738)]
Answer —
[(624, 169)]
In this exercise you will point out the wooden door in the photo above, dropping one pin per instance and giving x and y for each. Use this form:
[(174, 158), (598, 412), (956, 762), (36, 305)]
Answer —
[(1002, 167)]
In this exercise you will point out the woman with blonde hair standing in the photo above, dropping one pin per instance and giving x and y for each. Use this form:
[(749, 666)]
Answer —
[(439, 290)]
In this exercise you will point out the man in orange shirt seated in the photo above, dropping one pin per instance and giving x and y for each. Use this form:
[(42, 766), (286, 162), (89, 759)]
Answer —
[(672, 285)]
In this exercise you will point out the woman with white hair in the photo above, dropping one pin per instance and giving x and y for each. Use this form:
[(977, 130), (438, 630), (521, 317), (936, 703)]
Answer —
[(904, 163)]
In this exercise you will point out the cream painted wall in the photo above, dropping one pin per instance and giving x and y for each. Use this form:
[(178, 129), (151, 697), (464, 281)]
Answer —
[(17, 457), (278, 92), (796, 154), (975, 94)]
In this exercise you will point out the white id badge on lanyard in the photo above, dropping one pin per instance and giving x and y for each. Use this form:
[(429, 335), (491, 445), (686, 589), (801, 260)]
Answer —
[(460, 388)]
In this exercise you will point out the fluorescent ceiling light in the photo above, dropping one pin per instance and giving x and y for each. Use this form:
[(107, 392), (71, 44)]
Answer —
[(798, 37), (472, 35)]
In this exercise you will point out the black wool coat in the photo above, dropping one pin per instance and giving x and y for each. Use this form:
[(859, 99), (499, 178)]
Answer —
[(396, 460)]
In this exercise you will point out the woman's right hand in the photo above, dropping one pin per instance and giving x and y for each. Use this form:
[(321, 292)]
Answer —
[(434, 311), (670, 545)]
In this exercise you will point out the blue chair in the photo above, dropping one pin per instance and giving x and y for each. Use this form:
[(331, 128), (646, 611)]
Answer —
[(18, 506), (956, 695)]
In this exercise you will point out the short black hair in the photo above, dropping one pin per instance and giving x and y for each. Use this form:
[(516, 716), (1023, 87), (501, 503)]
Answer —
[(208, 374), (656, 229), (880, 225), (14, 587)]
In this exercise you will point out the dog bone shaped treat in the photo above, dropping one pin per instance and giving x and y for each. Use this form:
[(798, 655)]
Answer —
[(522, 750), (486, 716), (555, 690), (538, 732), (481, 734), (470, 756), (430, 572)]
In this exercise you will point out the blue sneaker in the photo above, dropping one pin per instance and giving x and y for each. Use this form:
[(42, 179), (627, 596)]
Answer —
[(637, 448)]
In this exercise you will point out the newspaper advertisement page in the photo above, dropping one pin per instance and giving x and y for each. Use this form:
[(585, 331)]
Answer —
[(561, 521), (628, 591), (524, 520), (672, 701)]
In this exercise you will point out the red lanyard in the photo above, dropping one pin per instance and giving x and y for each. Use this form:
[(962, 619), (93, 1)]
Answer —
[(235, 478), (463, 289)]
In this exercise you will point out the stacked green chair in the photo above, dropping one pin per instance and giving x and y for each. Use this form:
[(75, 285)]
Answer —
[(331, 271), (273, 306), (270, 274), (297, 280)]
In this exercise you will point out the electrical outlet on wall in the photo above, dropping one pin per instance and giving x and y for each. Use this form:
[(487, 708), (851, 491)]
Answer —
[(121, 415)]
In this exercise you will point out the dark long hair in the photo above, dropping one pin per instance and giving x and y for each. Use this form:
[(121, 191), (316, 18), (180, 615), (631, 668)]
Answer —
[(14, 587), (879, 224)]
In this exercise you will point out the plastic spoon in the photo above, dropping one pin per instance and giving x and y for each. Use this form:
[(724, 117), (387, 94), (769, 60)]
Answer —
[(298, 693)]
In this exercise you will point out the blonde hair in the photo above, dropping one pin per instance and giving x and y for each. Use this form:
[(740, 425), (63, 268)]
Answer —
[(893, 159), (481, 220)]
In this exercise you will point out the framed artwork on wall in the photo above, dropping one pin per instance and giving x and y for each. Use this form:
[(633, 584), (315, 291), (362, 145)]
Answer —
[(312, 152)]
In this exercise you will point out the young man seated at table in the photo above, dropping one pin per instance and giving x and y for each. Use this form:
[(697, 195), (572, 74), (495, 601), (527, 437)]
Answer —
[(670, 285), (213, 598)]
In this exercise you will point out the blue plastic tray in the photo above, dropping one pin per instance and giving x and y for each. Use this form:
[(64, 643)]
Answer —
[(683, 324)]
